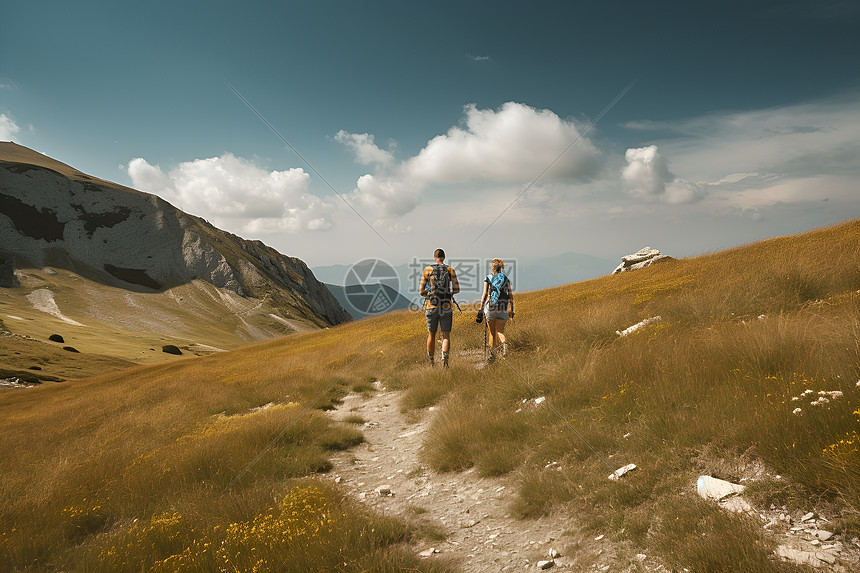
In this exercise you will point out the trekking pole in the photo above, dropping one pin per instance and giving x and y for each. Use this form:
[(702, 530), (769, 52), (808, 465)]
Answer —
[(486, 334)]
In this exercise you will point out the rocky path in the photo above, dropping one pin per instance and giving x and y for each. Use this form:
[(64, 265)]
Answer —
[(480, 535), (387, 474)]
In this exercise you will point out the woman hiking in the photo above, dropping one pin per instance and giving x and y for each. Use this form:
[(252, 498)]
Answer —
[(497, 303)]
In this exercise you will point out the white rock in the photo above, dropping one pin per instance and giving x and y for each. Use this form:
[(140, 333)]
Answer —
[(736, 504), (553, 554), (826, 556), (807, 517), (599, 537), (638, 325), (823, 535), (639, 260), (383, 490), (641, 557), (641, 255), (799, 556), (540, 400), (428, 552), (622, 471), (545, 564), (717, 489)]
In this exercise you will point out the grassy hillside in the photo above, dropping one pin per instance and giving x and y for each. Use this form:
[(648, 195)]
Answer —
[(108, 324), (158, 468)]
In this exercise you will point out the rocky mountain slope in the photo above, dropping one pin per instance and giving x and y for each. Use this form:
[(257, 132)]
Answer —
[(141, 261)]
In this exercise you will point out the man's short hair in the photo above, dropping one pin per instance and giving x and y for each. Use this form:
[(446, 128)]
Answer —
[(439, 254)]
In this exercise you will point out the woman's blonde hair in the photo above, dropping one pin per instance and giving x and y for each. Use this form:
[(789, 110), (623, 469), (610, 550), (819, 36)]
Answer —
[(497, 265)]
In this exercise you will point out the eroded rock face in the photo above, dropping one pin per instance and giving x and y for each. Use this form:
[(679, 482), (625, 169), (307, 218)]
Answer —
[(7, 272), (137, 241)]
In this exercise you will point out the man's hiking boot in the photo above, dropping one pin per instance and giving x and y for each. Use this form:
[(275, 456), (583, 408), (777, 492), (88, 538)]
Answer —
[(445, 359), (492, 357), (430, 358)]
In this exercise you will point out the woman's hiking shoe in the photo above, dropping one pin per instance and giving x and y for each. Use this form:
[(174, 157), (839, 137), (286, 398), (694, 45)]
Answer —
[(445, 359), (430, 358)]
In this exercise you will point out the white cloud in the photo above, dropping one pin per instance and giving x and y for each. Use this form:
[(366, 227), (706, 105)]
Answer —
[(234, 192), (514, 144), (8, 128), (762, 164), (386, 198), (647, 177), (803, 140), (365, 150)]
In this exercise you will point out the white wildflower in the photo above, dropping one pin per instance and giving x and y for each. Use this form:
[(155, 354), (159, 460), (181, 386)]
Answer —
[(833, 394), (797, 411)]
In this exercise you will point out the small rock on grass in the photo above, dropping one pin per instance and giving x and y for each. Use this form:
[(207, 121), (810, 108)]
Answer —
[(545, 564), (717, 489), (622, 471), (428, 552)]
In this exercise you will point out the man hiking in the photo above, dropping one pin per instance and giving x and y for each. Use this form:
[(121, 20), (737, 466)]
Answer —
[(438, 286)]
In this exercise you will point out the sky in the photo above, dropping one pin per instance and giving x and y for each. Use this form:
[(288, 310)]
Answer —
[(337, 131)]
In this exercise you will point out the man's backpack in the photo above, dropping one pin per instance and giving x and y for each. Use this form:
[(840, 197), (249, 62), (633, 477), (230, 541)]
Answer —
[(500, 290), (440, 285)]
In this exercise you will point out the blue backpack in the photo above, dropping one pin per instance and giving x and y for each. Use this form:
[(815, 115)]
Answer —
[(499, 289)]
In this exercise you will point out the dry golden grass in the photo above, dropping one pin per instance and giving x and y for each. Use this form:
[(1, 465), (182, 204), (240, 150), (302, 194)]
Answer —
[(162, 445), (708, 384)]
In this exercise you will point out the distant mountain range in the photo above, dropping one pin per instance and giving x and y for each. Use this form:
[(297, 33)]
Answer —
[(63, 230), (529, 274)]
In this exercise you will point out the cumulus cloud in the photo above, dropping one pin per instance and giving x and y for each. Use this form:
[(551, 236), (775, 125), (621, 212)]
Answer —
[(8, 128), (514, 144), (647, 177), (235, 192), (387, 198), (804, 140), (365, 150)]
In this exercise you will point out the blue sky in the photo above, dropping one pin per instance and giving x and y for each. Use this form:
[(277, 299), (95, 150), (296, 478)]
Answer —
[(419, 124)]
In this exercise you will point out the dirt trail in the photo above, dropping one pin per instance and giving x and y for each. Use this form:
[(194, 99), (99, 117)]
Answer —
[(472, 511)]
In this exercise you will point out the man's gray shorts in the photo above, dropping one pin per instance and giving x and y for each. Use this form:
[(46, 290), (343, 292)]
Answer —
[(439, 317)]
